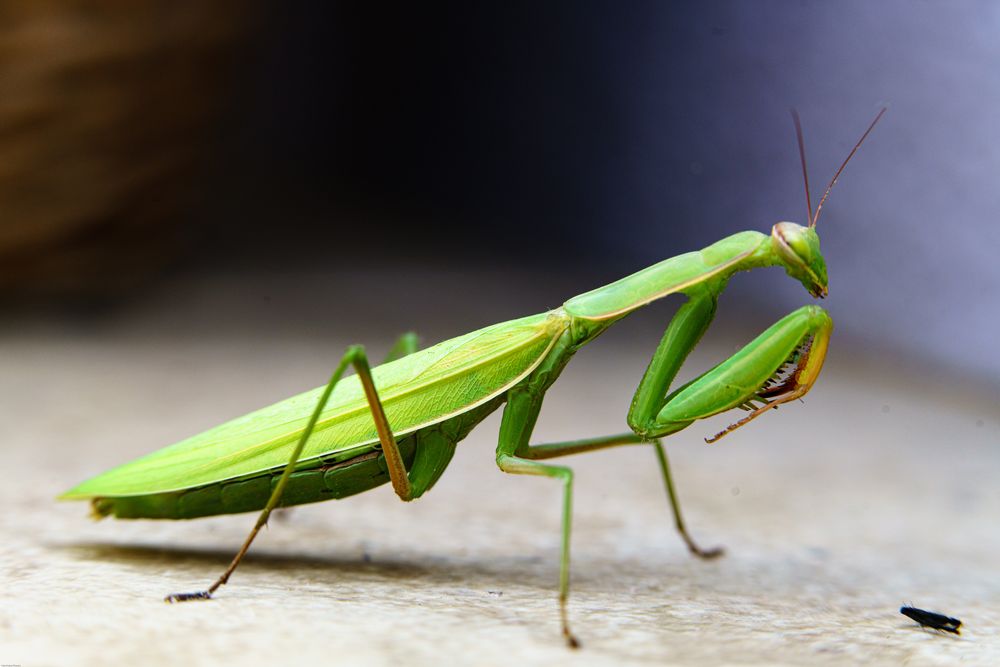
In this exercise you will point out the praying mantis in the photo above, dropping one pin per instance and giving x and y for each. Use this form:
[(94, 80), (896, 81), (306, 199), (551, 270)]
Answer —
[(400, 421)]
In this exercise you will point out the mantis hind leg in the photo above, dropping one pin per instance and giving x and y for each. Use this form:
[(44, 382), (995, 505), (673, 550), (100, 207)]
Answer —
[(405, 345), (356, 357)]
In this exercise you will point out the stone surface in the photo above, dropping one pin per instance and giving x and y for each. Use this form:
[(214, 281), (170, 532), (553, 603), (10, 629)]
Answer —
[(881, 490)]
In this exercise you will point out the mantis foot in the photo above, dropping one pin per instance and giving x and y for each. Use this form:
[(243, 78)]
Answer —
[(708, 554), (185, 597), (704, 554), (571, 640)]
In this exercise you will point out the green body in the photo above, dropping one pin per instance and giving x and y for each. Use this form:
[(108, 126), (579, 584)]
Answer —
[(432, 399), (401, 421)]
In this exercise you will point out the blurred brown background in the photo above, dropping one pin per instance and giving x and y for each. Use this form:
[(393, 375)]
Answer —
[(107, 112)]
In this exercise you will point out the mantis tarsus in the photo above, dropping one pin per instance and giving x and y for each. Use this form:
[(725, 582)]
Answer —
[(400, 422)]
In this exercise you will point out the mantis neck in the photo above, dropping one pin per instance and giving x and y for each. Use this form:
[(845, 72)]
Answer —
[(706, 269)]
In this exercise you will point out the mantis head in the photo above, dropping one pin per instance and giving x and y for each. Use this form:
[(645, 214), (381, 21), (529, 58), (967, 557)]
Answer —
[(798, 249)]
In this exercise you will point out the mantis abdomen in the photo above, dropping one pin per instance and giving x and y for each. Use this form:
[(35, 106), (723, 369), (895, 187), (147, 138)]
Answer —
[(425, 452)]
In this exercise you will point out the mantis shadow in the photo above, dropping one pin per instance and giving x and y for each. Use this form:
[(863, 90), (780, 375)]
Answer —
[(332, 569)]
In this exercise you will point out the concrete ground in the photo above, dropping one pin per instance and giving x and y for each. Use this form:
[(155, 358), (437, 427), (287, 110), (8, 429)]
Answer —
[(882, 489)]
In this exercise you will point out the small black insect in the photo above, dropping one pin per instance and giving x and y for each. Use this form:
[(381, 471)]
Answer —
[(930, 619)]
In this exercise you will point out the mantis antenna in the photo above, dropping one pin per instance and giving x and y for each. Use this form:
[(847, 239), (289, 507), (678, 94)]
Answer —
[(813, 220), (802, 156)]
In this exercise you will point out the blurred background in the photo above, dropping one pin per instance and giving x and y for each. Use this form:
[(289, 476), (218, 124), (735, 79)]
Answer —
[(203, 203), (147, 144)]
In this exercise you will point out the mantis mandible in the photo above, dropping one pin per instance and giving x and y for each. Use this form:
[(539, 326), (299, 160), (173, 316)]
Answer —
[(400, 422)]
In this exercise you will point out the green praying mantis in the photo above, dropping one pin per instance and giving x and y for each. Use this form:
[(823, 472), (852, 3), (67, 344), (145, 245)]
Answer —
[(400, 422)]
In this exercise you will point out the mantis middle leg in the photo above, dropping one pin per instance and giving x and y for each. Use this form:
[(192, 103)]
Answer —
[(552, 450), (518, 457), (752, 374)]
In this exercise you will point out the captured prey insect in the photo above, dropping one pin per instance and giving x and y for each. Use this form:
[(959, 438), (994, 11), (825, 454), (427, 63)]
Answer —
[(933, 620), (400, 421)]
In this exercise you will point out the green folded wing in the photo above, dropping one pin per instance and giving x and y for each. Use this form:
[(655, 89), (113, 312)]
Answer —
[(418, 390)]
